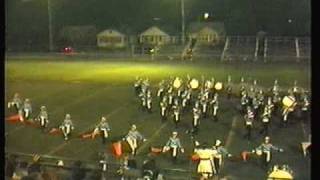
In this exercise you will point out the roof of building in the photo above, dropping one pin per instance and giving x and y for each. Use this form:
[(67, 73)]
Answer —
[(110, 32), (154, 30), (195, 27)]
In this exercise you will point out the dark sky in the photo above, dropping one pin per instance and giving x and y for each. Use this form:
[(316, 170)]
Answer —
[(27, 18)]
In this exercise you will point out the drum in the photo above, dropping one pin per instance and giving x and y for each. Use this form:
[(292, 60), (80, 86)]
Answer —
[(177, 83), (259, 152), (194, 83), (218, 86), (288, 101)]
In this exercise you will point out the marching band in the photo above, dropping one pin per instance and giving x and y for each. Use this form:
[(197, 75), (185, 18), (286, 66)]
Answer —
[(178, 98)]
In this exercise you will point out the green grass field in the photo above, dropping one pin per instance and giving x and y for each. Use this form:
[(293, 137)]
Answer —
[(89, 89)]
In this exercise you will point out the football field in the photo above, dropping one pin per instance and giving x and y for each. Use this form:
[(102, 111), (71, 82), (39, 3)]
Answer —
[(90, 89)]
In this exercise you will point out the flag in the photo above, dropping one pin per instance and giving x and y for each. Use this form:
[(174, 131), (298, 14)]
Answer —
[(13, 119), (117, 148), (55, 131)]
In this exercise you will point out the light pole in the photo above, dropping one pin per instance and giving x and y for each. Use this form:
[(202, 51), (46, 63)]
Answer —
[(50, 26), (182, 23)]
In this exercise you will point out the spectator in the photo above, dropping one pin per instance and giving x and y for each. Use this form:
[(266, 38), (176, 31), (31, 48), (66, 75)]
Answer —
[(10, 166), (77, 172), (21, 171), (35, 167)]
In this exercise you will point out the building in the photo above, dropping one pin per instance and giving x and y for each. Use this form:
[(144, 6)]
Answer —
[(111, 38), (211, 33), (154, 36)]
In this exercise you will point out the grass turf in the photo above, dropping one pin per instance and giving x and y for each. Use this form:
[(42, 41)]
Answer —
[(90, 89)]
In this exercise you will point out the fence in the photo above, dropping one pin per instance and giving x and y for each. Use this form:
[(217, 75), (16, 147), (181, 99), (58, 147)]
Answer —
[(233, 48)]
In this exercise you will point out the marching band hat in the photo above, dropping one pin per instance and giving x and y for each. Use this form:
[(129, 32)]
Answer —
[(218, 142)]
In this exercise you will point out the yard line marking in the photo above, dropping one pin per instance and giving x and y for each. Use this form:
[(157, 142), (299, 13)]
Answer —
[(61, 146), (230, 136), (152, 137), (58, 148), (305, 135), (231, 132)]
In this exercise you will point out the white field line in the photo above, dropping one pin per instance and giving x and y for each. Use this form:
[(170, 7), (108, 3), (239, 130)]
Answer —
[(62, 145), (230, 136), (231, 133), (154, 135), (305, 135), (61, 108)]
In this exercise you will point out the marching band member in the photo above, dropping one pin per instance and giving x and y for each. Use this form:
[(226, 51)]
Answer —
[(255, 85), (266, 117), (255, 105), (265, 150), (43, 117), (149, 101), (242, 86), (295, 89), (170, 97), (161, 89), (251, 94), (174, 145), (176, 114), (204, 105), (27, 109), (249, 117), (220, 155), (143, 100), (163, 109), (244, 101), (196, 118), (215, 106), (132, 138), (305, 106), (260, 98), (205, 167), (184, 101), (275, 88), (285, 114), (67, 126), (275, 100), (104, 128), (270, 104), (16, 102), (137, 85), (229, 87)]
